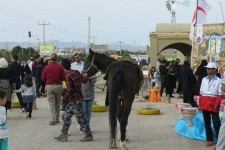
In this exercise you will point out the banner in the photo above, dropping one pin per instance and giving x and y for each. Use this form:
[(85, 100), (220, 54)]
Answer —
[(45, 50), (199, 33)]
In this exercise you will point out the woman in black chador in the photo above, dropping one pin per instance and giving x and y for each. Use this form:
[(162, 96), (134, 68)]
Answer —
[(189, 84), (200, 73)]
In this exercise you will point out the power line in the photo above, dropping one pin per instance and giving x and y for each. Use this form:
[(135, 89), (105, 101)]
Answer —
[(44, 24)]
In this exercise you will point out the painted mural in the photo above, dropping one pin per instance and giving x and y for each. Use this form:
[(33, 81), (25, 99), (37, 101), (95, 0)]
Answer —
[(213, 46)]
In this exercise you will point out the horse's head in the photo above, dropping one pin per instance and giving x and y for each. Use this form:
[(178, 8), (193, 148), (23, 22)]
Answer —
[(90, 64)]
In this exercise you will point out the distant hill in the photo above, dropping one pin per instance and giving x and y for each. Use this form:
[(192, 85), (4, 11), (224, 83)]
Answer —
[(61, 45)]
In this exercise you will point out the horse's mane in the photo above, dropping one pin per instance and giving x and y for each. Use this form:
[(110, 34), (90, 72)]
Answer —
[(104, 60)]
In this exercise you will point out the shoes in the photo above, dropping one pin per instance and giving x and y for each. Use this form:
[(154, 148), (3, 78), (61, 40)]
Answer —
[(22, 110), (27, 115), (62, 138), (83, 131), (52, 123), (209, 143), (87, 138), (43, 94), (57, 121)]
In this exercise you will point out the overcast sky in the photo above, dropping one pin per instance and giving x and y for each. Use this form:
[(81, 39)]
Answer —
[(111, 20)]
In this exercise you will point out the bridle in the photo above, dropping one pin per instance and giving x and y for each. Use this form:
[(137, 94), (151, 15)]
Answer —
[(92, 65)]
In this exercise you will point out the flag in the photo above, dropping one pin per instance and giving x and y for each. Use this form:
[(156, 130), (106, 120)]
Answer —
[(199, 18), (201, 13)]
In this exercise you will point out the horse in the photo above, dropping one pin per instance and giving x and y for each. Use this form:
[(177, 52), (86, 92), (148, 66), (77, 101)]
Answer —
[(123, 82)]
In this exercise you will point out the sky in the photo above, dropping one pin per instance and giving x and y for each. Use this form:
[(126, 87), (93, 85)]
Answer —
[(112, 21)]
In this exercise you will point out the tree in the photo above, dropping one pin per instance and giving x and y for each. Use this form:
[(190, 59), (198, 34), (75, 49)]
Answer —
[(16, 50)]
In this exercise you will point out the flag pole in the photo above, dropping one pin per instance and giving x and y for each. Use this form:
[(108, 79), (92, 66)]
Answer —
[(193, 38)]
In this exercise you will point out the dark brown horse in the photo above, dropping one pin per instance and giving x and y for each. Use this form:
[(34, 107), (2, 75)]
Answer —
[(123, 82)]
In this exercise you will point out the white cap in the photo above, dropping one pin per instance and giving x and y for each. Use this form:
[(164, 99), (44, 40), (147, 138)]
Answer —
[(211, 65), (3, 63)]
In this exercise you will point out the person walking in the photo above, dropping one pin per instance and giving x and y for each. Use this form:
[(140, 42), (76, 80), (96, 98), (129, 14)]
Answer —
[(3, 122), (37, 68), (15, 69), (209, 102), (220, 145), (74, 106), (6, 82), (28, 91), (53, 74)]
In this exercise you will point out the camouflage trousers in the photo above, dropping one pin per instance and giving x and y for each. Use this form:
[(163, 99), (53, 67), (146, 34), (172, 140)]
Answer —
[(74, 108)]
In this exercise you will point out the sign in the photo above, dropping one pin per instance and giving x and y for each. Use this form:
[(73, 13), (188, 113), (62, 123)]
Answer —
[(46, 50)]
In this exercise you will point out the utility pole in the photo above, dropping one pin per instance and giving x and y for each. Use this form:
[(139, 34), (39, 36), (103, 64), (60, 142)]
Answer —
[(44, 24), (94, 37), (89, 34), (120, 46), (222, 10), (29, 36)]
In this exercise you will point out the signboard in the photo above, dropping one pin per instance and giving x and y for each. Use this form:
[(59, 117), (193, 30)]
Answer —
[(45, 50), (139, 57), (212, 47)]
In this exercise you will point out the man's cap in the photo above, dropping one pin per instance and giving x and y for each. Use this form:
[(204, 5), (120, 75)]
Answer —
[(211, 65)]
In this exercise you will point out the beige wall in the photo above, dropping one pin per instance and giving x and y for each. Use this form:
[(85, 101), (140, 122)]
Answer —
[(168, 36)]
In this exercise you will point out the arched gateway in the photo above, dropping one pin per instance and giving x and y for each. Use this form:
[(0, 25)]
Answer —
[(170, 36)]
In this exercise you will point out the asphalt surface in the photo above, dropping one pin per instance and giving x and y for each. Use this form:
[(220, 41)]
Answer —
[(145, 132)]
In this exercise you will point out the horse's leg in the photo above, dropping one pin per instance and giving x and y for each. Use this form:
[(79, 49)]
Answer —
[(120, 108), (123, 124)]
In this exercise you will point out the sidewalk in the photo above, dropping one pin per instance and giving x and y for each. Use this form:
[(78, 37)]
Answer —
[(144, 132)]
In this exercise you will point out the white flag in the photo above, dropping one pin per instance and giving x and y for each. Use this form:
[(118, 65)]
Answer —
[(199, 18), (202, 10)]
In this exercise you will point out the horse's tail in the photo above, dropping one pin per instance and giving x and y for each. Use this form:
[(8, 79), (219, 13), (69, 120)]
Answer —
[(113, 95)]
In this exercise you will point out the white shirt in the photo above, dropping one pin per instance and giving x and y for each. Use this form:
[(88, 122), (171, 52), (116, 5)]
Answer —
[(154, 77), (211, 87), (77, 66), (30, 65), (3, 123)]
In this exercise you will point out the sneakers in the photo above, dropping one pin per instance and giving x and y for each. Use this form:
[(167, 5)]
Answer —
[(87, 138), (62, 138), (209, 143), (83, 131), (27, 115), (22, 110)]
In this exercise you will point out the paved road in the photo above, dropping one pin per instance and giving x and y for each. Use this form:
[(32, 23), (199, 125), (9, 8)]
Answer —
[(144, 132)]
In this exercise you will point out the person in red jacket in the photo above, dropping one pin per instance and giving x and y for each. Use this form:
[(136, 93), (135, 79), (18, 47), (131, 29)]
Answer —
[(209, 102)]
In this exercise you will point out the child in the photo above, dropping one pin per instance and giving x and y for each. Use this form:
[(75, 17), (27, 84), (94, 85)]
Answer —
[(3, 122), (29, 94), (153, 74)]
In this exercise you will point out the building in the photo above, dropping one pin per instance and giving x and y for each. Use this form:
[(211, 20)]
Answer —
[(101, 48)]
